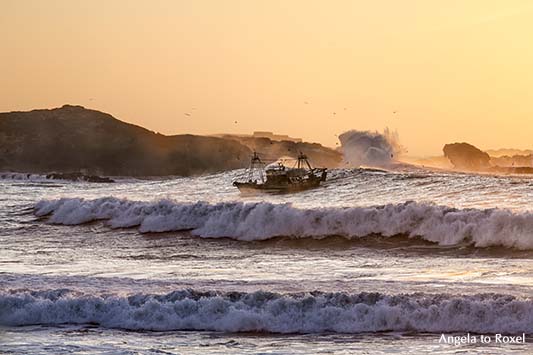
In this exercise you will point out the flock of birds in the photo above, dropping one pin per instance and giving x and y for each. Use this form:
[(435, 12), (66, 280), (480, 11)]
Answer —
[(334, 113), (189, 114)]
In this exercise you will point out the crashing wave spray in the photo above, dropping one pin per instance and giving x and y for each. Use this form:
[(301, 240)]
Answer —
[(268, 312), (263, 220), (370, 148)]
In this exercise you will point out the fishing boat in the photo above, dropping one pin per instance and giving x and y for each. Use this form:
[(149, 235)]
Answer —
[(277, 177)]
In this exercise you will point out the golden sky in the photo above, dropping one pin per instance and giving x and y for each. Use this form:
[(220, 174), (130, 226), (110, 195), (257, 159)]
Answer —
[(452, 70)]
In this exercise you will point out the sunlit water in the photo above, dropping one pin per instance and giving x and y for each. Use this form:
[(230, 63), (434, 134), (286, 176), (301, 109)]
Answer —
[(62, 274)]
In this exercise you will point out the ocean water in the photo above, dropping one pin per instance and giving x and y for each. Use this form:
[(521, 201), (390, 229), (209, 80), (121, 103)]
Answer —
[(372, 262)]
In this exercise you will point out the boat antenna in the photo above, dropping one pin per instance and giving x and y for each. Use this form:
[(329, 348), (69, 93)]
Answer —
[(302, 161), (256, 164)]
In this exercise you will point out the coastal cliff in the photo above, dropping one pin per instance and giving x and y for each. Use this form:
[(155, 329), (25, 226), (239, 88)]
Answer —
[(76, 139), (73, 139)]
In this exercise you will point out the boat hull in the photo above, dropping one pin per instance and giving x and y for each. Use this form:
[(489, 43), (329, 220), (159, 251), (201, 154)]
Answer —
[(279, 188)]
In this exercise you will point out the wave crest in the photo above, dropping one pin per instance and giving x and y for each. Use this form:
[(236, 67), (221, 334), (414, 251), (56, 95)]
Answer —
[(261, 311), (263, 220)]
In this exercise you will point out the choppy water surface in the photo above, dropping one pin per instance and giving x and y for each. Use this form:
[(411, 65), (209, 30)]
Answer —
[(373, 261)]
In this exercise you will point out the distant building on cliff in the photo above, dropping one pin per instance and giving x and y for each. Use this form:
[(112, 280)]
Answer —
[(275, 137)]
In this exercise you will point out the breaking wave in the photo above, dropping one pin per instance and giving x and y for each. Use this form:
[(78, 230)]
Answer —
[(23, 176), (370, 148), (268, 312), (263, 220)]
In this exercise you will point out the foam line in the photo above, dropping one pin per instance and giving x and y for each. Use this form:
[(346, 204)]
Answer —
[(263, 220), (272, 313)]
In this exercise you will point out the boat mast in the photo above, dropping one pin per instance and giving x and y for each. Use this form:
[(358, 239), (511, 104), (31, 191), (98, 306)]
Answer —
[(256, 163), (302, 161)]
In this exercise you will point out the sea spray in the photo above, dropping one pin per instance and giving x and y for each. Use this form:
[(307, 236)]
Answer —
[(370, 148), (261, 311), (264, 220)]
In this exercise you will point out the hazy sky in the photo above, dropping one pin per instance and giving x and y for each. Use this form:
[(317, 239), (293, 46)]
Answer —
[(453, 70)]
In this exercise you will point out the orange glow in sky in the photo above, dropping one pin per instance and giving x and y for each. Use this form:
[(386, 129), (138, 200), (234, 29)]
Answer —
[(438, 71)]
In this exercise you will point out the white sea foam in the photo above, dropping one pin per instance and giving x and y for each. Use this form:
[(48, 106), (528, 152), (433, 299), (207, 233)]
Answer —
[(22, 176), (273, 313), (370, 148), (263, 220)]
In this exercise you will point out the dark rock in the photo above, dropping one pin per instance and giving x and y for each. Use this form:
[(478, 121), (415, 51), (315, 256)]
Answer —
[(94, 178), (465, 156), (513, 161), (74, 139), (75, 176), (318, 155)]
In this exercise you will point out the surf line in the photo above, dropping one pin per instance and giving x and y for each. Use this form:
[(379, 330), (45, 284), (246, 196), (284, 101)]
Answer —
[(485, 339)]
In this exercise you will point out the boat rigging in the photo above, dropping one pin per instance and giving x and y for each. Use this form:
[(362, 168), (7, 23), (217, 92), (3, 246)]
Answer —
[(277, 177)]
